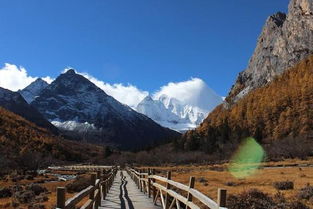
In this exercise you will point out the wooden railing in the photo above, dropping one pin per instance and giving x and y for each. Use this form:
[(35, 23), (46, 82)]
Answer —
[(100, 183), (80, 168), (173, 194)]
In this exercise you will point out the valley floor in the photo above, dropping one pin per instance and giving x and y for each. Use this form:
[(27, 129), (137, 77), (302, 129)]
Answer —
[(211, 177), (208, 179)]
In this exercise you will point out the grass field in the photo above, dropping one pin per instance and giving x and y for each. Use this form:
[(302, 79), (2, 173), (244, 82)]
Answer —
[(210, 178)]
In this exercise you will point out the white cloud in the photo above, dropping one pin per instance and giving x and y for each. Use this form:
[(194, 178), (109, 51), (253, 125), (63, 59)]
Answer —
[(14, 78), (48, 79), (126, 94), (193, 92)]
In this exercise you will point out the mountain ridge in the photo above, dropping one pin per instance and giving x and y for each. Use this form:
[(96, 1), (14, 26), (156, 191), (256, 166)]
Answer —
[(72, 100), (15, 103), (285, 40), (34, 89)]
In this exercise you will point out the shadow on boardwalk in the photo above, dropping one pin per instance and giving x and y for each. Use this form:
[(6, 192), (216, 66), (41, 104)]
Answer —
[(124, 194)]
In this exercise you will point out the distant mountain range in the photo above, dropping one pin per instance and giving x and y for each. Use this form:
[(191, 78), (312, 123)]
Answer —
[(84, 112), (165, 110)]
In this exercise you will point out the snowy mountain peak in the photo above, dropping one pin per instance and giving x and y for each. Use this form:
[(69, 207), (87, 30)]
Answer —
[(34, 89), (82, 110), (183, 108), (147, 99), (70, 71)]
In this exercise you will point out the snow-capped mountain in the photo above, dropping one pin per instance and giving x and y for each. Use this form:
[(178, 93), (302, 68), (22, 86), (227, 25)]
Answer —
[(156, 110), (177, 114), (82, 110), (34, 89)]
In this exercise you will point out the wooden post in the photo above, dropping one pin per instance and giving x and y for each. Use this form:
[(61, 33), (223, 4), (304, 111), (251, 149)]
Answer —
[(61, 197), (98, 199), (168, 186), (92, 183), (104, 192), (153, 187), (98, 174), (140, 183), (98, 196), (137, 179), (143, 182), (221, 197), (149, 183), (191, 186)]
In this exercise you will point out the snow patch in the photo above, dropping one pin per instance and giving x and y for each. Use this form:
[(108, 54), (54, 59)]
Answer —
[(74, 125)]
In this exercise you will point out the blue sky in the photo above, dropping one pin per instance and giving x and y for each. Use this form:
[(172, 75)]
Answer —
[(147, 43)]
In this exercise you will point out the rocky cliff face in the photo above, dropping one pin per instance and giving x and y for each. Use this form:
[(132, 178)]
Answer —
[(284, 41), (34, 89)]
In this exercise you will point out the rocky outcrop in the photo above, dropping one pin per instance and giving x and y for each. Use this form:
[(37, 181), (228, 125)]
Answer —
[(33, 90), (284, 41)]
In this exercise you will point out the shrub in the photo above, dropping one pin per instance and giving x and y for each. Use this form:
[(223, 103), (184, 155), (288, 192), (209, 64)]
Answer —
[(290, 205), (36, 188), (5, 192), (203, 180), (306, 193), (251, 199), (254, 199), (231, 183), (283, 185), (24, 196), (80, 183)]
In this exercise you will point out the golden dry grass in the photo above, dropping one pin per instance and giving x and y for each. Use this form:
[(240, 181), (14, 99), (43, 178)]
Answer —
[(262, 180)]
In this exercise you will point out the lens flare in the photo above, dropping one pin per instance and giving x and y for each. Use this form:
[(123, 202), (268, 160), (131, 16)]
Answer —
[(247, 159)]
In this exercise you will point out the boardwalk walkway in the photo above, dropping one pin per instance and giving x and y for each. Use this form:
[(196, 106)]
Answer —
[(124, 194)]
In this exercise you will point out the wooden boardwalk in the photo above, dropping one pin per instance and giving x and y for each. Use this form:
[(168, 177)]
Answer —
[(119, 189), (124, 194)]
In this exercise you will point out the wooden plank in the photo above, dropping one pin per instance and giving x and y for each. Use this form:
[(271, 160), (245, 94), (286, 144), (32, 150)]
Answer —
[(172, 204), (78, 197), (156, 197), (168, 186), (87, 205), (162, 200), (201, 197), (191, 192), (191, 185), (177, 196), (204, 199)]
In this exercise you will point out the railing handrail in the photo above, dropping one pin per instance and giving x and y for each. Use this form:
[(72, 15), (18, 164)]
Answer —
[(100, 184), (151, 178)]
